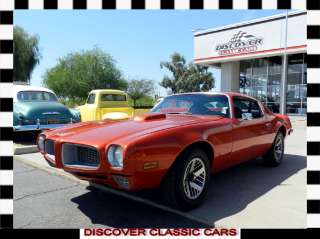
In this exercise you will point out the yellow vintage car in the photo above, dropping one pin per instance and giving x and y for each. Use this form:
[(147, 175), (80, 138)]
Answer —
[(106, 104)]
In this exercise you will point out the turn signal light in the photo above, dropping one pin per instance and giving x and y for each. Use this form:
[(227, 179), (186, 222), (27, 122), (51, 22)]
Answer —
[(150, 165)]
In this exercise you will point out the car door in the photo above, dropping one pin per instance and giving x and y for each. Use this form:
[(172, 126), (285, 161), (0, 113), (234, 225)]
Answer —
[(250, 130), (88, 111)]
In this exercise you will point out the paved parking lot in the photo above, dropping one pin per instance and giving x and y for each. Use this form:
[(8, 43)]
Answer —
[(248, 195)]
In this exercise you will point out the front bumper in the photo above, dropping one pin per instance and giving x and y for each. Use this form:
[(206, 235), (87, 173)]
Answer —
[(132, 177), (20, 128)]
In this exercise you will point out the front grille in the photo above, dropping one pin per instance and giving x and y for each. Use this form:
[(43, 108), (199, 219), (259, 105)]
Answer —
[(49, 147), (78, 155)]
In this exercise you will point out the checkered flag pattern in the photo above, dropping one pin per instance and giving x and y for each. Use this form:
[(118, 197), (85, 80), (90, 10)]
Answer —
[(238, 37)]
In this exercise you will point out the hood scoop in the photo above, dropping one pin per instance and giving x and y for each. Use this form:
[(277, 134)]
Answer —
[(150, 116)]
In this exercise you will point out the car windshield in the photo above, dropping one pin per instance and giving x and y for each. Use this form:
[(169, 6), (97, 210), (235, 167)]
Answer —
[(36, 96), (197, 104)]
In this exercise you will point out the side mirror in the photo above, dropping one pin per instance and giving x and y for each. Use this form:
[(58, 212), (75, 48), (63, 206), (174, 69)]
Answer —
[(246, 116)]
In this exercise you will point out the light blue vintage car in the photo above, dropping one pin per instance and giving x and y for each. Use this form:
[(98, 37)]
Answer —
[(37, 108)]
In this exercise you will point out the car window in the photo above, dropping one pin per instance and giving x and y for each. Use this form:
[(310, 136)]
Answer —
[(243, 105), (198, 104), (113, 97), (91, 99), (36, 96)]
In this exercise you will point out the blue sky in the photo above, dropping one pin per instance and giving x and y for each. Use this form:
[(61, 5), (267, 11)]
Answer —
[(137, 40)]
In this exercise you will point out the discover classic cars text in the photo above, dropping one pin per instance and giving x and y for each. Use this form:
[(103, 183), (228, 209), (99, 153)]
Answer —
[(176, 147)]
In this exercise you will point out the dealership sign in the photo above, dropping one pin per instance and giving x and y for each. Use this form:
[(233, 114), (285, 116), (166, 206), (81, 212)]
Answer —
[(240, 43)]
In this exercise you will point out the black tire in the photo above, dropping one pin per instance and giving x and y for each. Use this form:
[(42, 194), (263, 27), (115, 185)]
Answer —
[(176, 183), (275, 154)]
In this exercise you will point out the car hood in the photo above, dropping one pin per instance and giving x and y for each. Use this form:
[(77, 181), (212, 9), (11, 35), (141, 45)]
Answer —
[(33, 108), (99, 133)]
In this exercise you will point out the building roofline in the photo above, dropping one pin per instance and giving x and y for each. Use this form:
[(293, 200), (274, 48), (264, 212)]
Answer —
[(248, 23)]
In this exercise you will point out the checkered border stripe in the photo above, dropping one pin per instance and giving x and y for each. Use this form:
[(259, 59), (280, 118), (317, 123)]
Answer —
[(6, 107), (158, 4), (313, 114), (6, 79)]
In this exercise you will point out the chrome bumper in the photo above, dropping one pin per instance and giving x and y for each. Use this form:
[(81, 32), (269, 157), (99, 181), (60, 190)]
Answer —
[(36, 127)]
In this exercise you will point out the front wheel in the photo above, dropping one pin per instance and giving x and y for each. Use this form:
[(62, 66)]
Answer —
[(275, 154), (186, 184)]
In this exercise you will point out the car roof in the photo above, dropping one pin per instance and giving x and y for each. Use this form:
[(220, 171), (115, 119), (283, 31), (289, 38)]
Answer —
[(18, 88), (107, 91), (231, 94)]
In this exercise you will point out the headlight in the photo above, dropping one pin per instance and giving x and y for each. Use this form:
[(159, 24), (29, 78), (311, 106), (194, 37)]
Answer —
[(115, 156), (41, 140)]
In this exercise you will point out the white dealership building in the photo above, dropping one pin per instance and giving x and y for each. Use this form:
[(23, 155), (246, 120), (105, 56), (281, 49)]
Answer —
[(264, 58)]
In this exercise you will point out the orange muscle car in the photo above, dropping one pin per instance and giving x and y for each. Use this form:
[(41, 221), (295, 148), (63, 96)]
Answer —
[(176, 147)]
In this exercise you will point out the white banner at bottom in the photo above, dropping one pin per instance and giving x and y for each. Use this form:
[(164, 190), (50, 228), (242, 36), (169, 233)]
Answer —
[(170, 233)]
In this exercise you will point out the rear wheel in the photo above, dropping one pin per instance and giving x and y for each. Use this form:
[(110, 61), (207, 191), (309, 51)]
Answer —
[(186, 184), (274, 156)]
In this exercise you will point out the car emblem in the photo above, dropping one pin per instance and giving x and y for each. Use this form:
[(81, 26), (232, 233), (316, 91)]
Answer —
[(51, 113)]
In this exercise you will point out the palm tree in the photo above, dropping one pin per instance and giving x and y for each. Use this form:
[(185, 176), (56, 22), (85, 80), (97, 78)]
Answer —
[(186, 78)]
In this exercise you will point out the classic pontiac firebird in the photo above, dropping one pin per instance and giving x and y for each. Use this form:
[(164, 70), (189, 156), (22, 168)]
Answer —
[(176, 146)]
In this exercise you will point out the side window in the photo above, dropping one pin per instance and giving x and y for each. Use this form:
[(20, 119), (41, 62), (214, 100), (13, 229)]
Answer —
[(242, 105), (255, 109), (219, 105), (91, 99), (120, 98)]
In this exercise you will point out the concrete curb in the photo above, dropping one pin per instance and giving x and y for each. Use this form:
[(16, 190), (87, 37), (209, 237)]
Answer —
[(22, 149), (60, 172)]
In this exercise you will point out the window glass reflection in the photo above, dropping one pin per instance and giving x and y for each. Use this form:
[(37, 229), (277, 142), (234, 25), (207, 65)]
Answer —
[(261, 78), (296, 84)]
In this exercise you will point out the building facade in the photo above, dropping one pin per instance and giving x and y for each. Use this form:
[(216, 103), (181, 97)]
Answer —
[(264, 58)]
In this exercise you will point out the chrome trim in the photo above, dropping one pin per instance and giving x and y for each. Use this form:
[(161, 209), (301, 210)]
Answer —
[(37, 127), (194, 178), (51, 157), (51, 113), (106, 150), (230, 109), (79, 165)]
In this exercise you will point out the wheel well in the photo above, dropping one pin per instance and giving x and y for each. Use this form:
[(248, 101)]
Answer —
[(282, 129), (205, 146), (200, 144)]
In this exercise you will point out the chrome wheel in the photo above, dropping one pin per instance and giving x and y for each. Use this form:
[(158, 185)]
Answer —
[(278, 149), (194, 178)]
